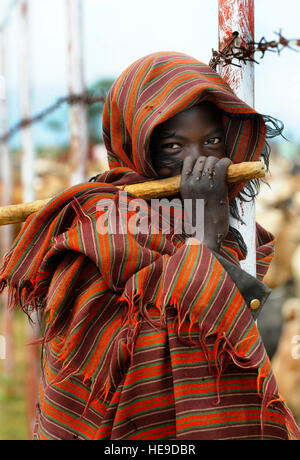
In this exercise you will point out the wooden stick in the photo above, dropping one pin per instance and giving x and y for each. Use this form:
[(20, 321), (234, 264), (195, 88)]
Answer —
[(240, 172)]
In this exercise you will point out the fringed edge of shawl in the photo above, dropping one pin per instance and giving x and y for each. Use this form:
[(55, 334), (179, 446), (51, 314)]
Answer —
[(29, 297)]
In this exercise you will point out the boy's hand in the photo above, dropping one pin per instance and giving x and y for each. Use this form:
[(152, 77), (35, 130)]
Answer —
[(205, 178)]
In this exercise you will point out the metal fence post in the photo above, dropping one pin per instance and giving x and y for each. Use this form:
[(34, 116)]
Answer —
[(238, 15), (28, 177), (77, 112), (28, 151), (6, 199)]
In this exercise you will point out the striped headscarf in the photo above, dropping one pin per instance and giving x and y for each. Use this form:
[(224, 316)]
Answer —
[(154, 89)]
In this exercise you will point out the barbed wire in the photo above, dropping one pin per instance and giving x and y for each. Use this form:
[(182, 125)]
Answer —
[(6, 20), (71, 100), (244, 54), (224, 57)]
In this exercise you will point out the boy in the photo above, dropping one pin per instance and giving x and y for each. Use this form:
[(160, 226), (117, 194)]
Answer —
[(148, 336)]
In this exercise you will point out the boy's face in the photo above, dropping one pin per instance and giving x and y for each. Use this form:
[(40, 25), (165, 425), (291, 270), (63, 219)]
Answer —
[(197, 131)]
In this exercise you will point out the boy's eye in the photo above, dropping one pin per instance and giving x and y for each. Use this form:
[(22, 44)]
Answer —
[(171, 145), (213, 140)]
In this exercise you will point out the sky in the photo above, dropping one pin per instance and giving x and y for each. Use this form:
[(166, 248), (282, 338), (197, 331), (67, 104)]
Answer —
[(117, 32)]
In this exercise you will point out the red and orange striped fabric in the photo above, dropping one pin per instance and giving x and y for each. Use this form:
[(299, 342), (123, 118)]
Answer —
[(145, 336)]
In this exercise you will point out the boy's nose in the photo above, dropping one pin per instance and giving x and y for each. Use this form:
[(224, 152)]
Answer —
[(197, 151)]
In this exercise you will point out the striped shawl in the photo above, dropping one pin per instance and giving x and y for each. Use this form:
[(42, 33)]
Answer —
[(146, 336)]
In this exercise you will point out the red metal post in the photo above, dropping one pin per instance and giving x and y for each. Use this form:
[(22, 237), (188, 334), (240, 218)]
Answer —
[(238, 16)]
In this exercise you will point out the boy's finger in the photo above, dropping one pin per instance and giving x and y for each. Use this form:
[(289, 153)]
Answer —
[(199, 167), (187, 168), (209, 166), (222, 166)]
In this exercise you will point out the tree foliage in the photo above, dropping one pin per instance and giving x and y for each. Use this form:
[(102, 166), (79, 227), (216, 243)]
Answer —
[(100, 87), (94, 112)]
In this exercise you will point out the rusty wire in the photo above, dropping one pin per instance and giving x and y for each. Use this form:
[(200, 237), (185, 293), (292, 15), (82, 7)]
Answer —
[(71, 100), (231, 52)]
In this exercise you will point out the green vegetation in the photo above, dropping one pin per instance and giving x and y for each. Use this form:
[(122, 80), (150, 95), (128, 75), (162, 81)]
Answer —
[(13, 410), (94, 112), (100, 87)]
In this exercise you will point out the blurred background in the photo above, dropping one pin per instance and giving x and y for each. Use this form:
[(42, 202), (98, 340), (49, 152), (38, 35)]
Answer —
[(48, 50)]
